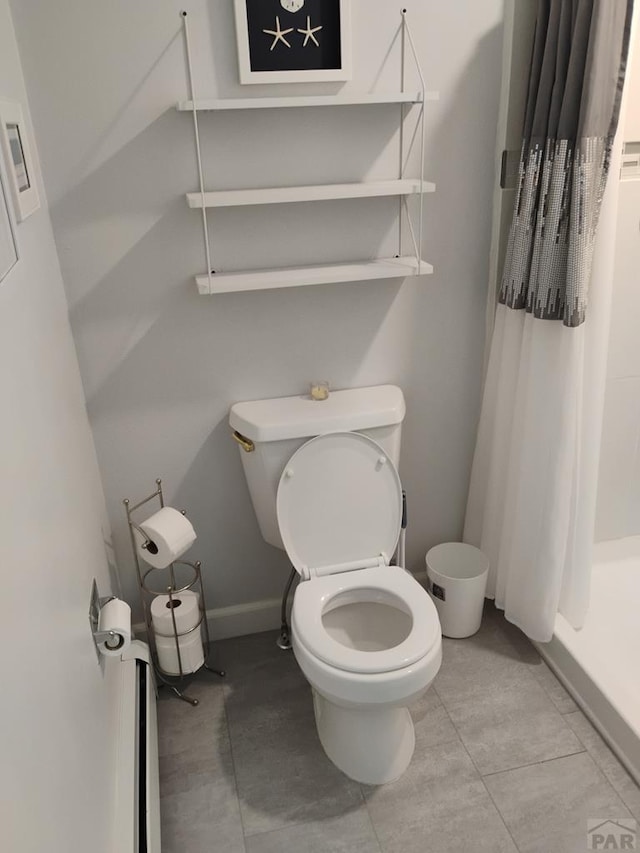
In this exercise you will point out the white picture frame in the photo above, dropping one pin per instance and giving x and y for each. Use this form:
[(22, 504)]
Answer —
[(8, 244), (248, 76), (21, 167)]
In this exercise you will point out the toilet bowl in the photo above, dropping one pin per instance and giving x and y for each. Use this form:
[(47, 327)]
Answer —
[(368, 647), (365, 633)]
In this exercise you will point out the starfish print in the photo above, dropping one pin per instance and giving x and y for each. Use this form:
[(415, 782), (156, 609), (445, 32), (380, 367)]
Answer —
[(309, 33), (279, 35)]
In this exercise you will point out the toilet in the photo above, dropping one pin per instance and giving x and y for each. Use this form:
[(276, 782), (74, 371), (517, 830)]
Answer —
[(325, 487)]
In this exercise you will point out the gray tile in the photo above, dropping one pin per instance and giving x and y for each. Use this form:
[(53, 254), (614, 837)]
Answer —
[(431, 721), (440, 804), (553, 688), (513, 728), (546, 806), (257, 736), (267, 700), (202, 818), (619, 778), (352, 833), (472, 667), (183, 727), (254, 656), (503, 716), (199, 804), (497, 631), (193, 768), (256, 708), (258, 672), (283, 775)]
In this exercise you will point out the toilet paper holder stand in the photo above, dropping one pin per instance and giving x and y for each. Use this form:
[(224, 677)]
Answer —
[(148, 592)]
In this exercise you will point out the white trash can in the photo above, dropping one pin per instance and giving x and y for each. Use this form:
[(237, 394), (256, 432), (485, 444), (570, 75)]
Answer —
[(456, 580)]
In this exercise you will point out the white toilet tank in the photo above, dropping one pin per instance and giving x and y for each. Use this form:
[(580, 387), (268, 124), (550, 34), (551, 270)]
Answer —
[(275, 429)]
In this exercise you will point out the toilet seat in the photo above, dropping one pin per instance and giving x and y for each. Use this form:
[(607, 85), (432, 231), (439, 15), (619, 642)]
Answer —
[(339, 511), (390, 585), (339, 505)]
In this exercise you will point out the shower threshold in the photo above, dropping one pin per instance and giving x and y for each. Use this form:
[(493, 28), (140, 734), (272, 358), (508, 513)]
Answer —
[(600, 664)]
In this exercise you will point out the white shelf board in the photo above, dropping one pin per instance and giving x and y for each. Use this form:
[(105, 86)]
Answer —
[(304, 276), (306, 101), (281, 195)]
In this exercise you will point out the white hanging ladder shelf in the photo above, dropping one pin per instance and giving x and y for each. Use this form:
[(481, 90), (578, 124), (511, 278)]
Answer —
[(400, 266), (306, 101), (281, 195), (320, 274)]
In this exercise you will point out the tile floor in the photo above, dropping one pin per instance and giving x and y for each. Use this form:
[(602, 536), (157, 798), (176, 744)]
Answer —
[(504, 761)]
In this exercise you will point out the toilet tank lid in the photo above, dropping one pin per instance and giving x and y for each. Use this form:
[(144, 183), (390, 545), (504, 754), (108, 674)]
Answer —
[(301, 417)]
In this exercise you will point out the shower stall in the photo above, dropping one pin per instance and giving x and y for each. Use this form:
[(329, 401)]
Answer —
[(600, 663)]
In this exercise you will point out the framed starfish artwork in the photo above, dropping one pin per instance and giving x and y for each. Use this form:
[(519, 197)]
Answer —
[(293, 41)]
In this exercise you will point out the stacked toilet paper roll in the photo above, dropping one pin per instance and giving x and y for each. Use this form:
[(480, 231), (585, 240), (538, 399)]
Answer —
[(168, 535), (185, 606)]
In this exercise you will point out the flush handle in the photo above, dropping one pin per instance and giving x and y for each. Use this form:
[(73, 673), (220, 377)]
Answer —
[(245, 443)]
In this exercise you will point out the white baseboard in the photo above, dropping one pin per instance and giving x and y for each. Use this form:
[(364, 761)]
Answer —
[(241, 619), (250, 618), (237, 620)]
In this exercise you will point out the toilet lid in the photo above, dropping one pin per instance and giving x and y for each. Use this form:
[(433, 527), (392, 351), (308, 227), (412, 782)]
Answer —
[(339, 501)]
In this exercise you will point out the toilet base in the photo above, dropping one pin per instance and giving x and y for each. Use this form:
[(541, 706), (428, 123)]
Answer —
[(371, 746)]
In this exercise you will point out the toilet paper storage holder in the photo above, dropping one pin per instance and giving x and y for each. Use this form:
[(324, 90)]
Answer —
[(148, 592)]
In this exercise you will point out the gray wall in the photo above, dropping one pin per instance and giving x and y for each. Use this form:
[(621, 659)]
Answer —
[(618, 510), (161, 365)]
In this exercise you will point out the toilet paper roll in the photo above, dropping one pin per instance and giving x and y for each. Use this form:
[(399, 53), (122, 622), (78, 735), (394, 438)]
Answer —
[(191, 653), (186, 609), (115, 616), (169, 535)]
